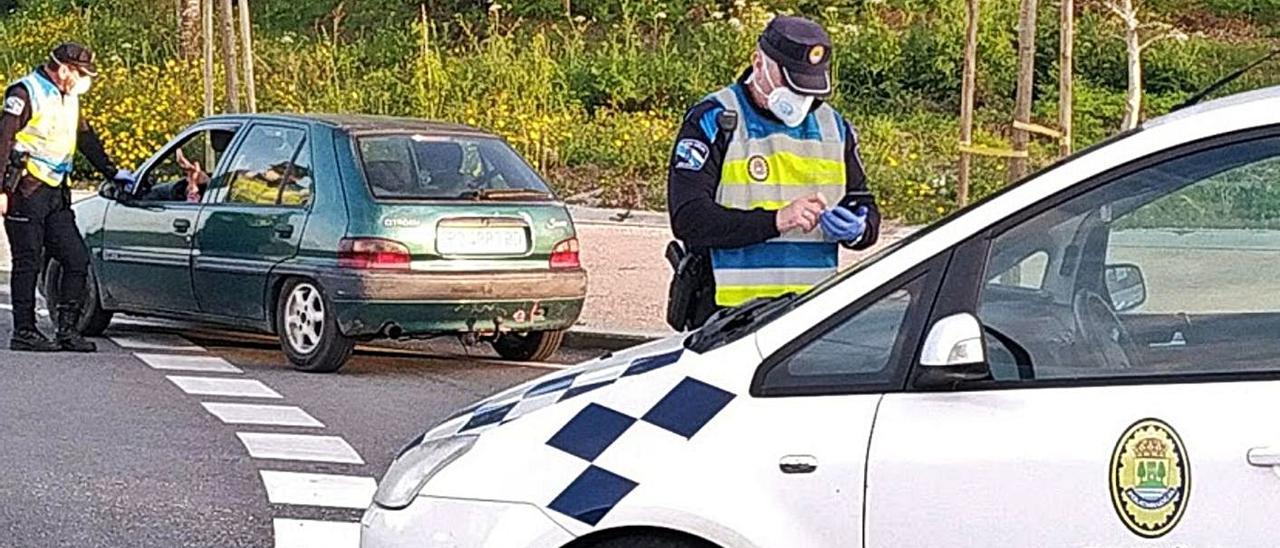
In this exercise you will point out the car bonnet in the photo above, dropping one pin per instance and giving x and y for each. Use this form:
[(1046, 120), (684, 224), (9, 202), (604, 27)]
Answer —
[(560, 386)]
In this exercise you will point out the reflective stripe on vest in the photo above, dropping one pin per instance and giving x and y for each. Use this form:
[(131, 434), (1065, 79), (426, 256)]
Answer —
[(768, 165), (49, 138)]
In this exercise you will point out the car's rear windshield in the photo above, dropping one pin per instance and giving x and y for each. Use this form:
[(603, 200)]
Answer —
[(411, 166)]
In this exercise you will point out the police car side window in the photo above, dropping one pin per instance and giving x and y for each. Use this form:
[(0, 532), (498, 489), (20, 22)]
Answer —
[(1162, 272), (855, 353)]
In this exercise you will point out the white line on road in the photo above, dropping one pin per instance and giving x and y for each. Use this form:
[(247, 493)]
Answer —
[(301, 533), (300, 447), (155, 341), (236, 388), (174, 362), (328, 490), (267, 415), (39, 311)]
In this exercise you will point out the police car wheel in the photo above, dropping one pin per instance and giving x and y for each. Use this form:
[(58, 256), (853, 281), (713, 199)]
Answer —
[(534, 346), (308, 330), (650, 541), (93, 319)]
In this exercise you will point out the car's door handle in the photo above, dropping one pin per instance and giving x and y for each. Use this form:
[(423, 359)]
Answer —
[(181, 225), (798, 464), (284, 230), (1264, 456)]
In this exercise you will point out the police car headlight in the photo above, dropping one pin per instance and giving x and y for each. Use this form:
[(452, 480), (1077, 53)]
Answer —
[(411, 471)]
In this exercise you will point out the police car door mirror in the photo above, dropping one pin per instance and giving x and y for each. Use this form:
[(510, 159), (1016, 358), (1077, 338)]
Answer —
[(1126, 285), (953, 351)]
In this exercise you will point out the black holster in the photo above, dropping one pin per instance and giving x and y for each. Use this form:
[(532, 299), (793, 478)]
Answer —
[(691, 299), (14, 168)]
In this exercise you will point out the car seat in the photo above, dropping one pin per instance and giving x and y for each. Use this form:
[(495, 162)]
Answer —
[(443, 163), (389, 176)]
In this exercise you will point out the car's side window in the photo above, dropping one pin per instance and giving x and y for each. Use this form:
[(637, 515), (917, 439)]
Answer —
[(298, 184), (166, 180), (857, 351), (262, 164), (1162, 272)]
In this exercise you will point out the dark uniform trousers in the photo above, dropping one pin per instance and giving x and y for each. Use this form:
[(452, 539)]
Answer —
[(40, 218)]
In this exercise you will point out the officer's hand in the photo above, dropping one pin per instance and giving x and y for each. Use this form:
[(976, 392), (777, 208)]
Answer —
[(802, 214), (125, 176), (4, 203), (841, 225)]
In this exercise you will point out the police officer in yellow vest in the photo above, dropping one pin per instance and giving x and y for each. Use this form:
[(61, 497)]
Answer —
[(759, 171), (40, 130)]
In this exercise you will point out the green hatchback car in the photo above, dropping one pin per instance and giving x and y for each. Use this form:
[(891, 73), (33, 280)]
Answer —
[(332, 230)]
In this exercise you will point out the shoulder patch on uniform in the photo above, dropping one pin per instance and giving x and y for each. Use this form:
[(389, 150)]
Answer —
[(14, 105), (691, 154)]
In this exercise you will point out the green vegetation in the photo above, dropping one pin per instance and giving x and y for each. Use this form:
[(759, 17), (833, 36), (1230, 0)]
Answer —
[(593, 98)]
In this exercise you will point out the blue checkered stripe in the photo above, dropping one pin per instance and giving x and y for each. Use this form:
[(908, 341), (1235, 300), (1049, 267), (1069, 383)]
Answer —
[(683, 411), (487, 414)]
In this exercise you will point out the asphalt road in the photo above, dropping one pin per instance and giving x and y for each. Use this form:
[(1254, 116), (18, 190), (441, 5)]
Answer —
[(107, 450)]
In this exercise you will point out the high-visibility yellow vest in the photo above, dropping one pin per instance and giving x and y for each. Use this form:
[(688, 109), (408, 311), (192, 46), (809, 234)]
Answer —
[(49, 139), (767, 166)]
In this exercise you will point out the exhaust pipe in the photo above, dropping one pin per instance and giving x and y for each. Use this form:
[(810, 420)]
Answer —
[(393, 331)]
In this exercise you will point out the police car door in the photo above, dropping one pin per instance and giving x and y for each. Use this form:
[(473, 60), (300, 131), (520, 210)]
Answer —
[(1072, 430)]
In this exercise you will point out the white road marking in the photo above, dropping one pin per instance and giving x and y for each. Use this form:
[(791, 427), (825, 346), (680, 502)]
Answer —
[(155, 341), (236, 388), (39, 311), (302, 533), (301, 447), (328, 490), (267, 415), (175, 362)]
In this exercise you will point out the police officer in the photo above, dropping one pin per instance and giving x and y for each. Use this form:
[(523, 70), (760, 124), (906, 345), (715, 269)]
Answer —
[(40, 131), (760, 169)]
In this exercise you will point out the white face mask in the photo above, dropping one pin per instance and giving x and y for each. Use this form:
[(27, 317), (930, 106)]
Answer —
[(81, 85), (787, 105)]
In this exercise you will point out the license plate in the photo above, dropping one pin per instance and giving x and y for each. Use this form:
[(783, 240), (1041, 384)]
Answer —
[(481, 241)]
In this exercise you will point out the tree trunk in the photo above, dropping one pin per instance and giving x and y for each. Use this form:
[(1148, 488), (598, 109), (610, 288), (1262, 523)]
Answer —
[(246, 39), (189, 29), (229, 56), (967, 100), (1133, 98), (1026, 83), (1066, 78)]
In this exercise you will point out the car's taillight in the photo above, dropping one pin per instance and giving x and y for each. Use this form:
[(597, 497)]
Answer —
[(565, 255), (375, 253)]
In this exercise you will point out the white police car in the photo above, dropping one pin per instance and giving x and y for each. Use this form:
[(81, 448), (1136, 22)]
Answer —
[(1090, 358)]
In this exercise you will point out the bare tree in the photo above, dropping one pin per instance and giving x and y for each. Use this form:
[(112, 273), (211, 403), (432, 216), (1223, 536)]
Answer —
[(1066, 75), (1138, 35), (228, 24), (246, 40), (967, 99), (189, 28), (1026, 86)]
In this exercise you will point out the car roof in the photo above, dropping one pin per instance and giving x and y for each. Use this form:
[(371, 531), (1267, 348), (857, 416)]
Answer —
[(362, 123)]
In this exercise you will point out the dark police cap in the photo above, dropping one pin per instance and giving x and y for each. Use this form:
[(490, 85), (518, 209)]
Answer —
[(76, 56), (803, 49)]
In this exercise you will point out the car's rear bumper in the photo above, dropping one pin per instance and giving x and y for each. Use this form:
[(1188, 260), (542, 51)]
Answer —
[(420, 303)]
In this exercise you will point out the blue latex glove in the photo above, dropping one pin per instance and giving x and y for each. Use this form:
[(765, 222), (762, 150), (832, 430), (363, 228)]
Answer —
[(841, 225), (125, 175)]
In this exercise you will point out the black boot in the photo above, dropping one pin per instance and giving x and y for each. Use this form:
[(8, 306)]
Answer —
[(69, 338), (30, 339)]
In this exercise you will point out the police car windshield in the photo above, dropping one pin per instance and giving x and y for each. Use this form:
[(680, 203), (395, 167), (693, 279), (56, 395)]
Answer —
[(435, 167)]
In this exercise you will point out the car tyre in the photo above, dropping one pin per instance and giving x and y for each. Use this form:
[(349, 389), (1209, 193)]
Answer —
[(651, 541), (93, 319), (308, 329), (533, 346)]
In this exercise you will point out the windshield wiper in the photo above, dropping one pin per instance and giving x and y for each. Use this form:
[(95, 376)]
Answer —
[(1195, 99), (728, 325), (502, 194)]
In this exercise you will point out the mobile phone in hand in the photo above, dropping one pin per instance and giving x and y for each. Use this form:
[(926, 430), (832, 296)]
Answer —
[(856, 198)]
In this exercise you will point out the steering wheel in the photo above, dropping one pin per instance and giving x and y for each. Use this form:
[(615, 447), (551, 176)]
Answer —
[(1101, 332)]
